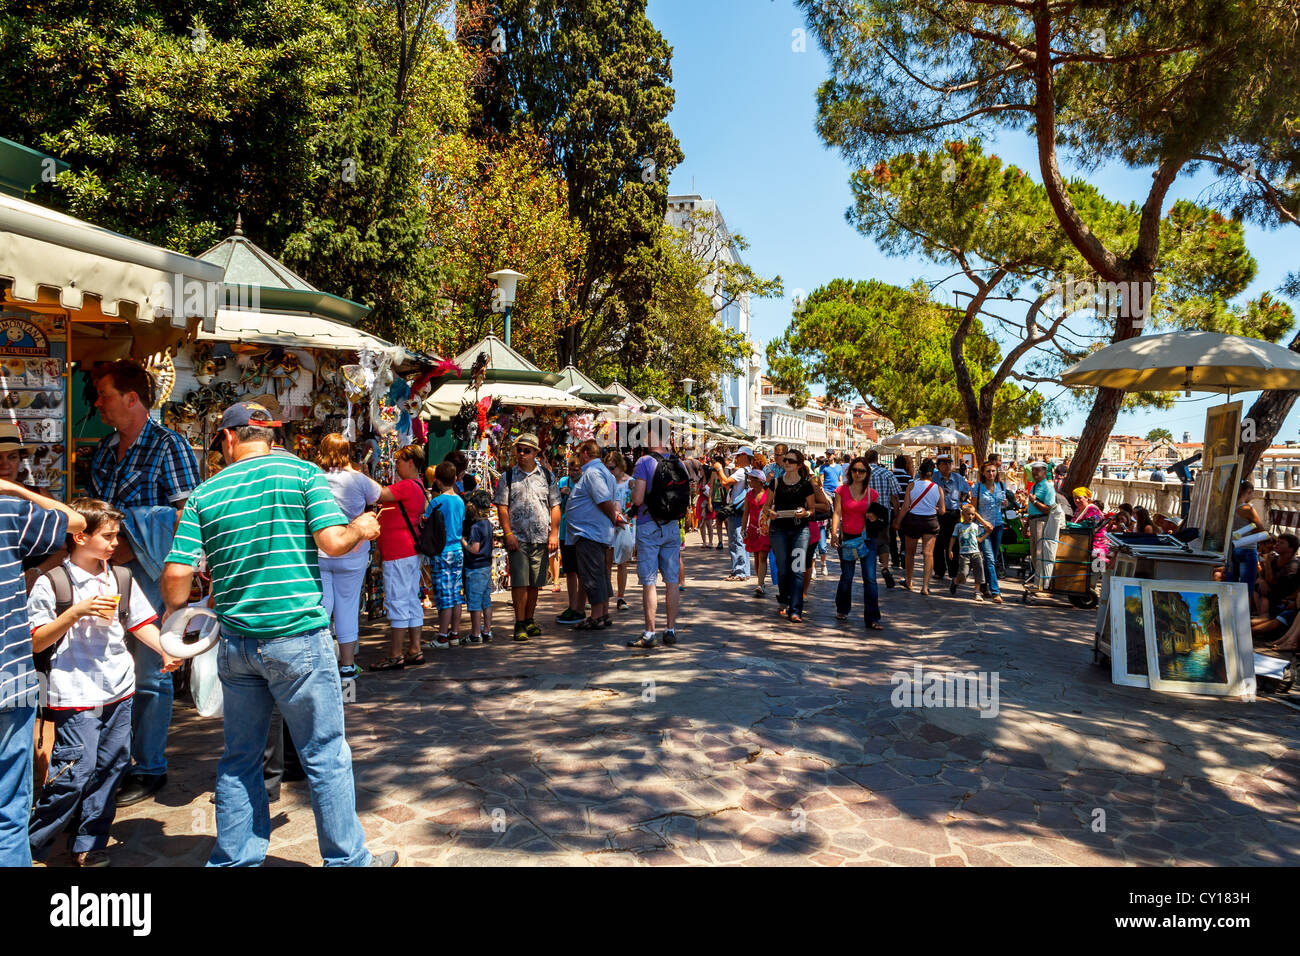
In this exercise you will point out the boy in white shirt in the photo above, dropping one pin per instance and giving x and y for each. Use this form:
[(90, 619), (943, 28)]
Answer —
[(91, 682)]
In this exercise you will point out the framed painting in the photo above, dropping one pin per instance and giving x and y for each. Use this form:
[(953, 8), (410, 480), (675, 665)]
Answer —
[(1220, 503), (1222, 433), (1128, 639), (1198, 638)]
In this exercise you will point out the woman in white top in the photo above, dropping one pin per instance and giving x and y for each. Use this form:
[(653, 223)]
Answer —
[(919, 519), (342, 577)]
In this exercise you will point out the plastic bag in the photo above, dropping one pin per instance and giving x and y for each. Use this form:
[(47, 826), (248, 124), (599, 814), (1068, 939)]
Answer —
[(205, 685)]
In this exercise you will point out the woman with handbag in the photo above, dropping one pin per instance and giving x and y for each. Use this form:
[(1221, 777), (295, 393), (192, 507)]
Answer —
[(792, 502), (919, 521), (992, 499), (854, 528)]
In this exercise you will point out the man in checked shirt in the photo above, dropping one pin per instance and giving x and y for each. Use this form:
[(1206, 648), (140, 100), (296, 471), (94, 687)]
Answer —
[(140, 464), (884, 483)]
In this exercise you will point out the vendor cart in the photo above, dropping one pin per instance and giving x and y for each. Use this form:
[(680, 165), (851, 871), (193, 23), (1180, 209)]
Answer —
[(1074, 573)]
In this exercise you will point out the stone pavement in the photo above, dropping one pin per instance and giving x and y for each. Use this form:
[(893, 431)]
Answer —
[(757, 742)]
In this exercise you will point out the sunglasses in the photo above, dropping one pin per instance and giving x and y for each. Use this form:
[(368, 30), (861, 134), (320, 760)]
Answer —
[(791, 461), (857, 471), (525, 450)]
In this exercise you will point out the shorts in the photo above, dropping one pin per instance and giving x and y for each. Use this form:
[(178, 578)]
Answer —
[(447, 570), (568, 559), (478, 588), (402, 592), (658, 551), (916, 526), (1287, 618), (624, 544), (593, 572), (528, 565), (972, 566)]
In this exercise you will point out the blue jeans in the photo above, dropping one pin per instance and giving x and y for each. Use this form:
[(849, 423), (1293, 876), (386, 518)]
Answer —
[(297, 674), (991, 548), (16, 727), (736, 544), (790, 545), (863, 551), (151, 713), (90, 757), (1247, 566)]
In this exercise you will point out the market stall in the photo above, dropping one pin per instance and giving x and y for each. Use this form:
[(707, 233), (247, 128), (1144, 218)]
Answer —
[(1171, 618)]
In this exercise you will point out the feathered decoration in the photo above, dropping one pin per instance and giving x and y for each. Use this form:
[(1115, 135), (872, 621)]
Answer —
[(478, 372), (467, 414), (484, 404)]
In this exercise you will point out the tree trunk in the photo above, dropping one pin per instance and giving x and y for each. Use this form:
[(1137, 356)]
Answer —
[(1268, 413), (979, 433), (1096, 432)]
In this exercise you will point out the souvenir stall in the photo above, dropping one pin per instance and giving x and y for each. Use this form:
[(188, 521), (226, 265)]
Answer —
[(72, 294), (1171, 618)]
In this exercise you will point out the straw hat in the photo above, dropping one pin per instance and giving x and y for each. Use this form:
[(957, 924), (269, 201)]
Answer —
[(11, 438)]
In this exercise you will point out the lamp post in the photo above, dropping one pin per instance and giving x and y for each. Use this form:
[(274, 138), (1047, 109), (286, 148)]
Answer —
[(687, 384), (503, 298)]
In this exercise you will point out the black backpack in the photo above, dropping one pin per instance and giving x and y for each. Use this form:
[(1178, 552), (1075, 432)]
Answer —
[(432, 536), (669, 496), (64, 599)]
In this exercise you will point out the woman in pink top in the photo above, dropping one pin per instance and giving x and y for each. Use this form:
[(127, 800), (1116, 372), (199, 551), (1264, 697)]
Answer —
[(854, 529), (756, 539)]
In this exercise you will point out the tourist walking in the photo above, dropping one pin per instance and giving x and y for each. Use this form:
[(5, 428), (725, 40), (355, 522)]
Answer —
[(992, 498), (902, 471), (447, 568), (592, 518), (968, 537), (477, 548), (342, 578), (855, 525), (792, 503), (141, 464), (404, 502), (624, 550), (736, 485), (276, 648), (528, 508), (656, 479), (919, 521), (574, 613), (890, 497), (705, 515), (956, 490), (757, 542)]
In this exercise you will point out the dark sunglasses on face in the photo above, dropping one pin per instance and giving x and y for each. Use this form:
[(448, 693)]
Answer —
[(524, 450), (857, 471), (791, 461)]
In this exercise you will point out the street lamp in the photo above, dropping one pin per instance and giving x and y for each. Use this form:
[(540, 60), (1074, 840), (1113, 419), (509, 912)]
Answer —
[(503, 298), (687, 384)]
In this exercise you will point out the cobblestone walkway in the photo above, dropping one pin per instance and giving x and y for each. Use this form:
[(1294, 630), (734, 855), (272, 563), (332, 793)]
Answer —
[(760, 743)]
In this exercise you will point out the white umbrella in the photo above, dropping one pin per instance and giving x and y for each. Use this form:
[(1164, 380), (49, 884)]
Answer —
[(1178, 361), (927, 435)]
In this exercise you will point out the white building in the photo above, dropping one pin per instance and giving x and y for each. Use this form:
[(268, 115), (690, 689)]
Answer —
[(780, 424), (815, 416), (737, 401)]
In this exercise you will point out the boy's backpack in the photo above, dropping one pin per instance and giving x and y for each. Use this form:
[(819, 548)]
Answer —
[(669, 496), (431, 537), (64, 599)]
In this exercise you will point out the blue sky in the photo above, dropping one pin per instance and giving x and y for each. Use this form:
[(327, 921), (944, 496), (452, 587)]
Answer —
[(745, 113)]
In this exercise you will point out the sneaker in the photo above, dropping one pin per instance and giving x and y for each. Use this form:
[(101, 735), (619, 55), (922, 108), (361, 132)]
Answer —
[(570, 616), (486, 637), (388, 858), (440, 642), (670, 637), (454, 638), (521, 632), (889, 579), (645, 640), (349, 672), (979, 598), (532, 627), (622, 604), (474, 639), (952, 588), (139, 787), (997, 599)]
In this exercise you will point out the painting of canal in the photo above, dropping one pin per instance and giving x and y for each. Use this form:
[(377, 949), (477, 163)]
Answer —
[(1188, 632), (1134, 631)]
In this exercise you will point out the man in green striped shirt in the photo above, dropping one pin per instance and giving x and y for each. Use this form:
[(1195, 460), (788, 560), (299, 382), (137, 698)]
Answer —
[(259, 522)]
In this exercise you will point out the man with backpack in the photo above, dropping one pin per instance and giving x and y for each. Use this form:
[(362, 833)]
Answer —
[(661, 493), (528, 506)]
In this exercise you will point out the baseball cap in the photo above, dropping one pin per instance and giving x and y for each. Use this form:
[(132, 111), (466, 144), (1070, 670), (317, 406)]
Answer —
[(529, 439), (745, 450), (242, 414), (1037, 464)]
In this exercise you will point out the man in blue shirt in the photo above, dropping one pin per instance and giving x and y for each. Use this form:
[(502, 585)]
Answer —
[(30, 526), (832, 474), (591, 518), (956, 489)]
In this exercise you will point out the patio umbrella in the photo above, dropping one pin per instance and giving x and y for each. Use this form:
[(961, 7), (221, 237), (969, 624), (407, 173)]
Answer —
[(927, 435), (1182, 361)]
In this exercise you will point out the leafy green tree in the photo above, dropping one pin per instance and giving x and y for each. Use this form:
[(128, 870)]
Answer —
[(1164, 85), (592, 77), (1159, 435), (891, 347)]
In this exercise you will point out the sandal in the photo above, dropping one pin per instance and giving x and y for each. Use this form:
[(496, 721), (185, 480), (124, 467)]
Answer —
[(906, 586), (876, 626), (841, 617), (389, 664), (781, 612), (587, 624), (795, 619), (413, 660), (759, 592)]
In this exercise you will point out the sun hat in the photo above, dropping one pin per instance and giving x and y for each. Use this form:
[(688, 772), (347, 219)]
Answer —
[(11, 438), (528, 439)]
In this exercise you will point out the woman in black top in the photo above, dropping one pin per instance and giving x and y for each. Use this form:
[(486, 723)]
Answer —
[(787, 511)]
